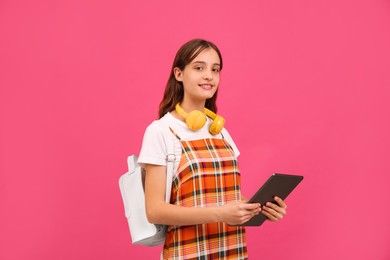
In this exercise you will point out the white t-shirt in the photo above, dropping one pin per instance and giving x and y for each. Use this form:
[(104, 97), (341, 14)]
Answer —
[(154, 149)]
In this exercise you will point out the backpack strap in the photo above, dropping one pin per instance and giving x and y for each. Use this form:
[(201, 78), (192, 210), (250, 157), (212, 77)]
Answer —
[(170, 160)]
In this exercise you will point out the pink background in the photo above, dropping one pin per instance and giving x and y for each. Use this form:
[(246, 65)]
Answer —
[(305, 90)]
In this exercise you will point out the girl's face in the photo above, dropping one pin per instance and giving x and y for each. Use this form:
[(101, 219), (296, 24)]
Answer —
[(200, 77)]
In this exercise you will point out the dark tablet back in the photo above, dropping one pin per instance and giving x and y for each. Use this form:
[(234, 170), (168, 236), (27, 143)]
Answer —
[(280, 185)]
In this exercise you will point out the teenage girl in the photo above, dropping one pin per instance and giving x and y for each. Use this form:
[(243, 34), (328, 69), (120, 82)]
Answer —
[(206, 203)]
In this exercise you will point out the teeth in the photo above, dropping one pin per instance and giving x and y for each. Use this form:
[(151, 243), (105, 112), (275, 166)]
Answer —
[(206, 86)]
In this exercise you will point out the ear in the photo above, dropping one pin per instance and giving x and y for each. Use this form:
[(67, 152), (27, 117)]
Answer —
[(178, 74)]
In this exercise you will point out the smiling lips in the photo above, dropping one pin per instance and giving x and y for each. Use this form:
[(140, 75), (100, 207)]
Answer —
[(206, 86)]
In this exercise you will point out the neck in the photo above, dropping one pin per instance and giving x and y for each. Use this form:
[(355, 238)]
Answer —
[(189, 105)]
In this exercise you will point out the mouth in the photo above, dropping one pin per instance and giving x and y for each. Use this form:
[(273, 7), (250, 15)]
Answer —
[(206, 86)]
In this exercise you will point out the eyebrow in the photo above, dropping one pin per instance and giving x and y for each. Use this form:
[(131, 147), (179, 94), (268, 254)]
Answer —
[(202, 62)]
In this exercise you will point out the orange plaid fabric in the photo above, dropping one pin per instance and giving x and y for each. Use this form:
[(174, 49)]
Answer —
[(207, 176)]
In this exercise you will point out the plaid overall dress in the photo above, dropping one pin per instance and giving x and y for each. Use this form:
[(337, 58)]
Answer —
[(207, 176)]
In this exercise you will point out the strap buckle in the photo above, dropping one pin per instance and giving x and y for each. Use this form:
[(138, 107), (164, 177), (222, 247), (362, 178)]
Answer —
[(171, 157)]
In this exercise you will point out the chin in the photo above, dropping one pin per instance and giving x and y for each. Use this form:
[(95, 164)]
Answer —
[(208, 96)]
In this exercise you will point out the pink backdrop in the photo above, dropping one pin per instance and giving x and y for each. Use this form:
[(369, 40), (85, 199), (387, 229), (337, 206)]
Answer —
[(305, 90)]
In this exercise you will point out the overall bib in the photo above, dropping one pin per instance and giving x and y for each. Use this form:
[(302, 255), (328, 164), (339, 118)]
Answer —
[(207, 176)]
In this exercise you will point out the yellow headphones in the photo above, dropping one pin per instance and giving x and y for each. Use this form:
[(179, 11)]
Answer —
[(195, 120)]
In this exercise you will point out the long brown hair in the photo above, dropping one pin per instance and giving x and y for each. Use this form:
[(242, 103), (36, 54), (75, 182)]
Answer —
[(174, 91)]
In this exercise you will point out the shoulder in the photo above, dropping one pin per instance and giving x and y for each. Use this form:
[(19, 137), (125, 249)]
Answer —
[(158, 126), (153, 150), (229, 139), (154, 128), (225, 133)]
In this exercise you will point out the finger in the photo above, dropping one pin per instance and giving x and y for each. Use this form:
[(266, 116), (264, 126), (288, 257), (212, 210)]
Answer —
[(280, 202), (248, 217), (273, 212), (255, 211), (252, 212), (250, 206), (275, 207), (244, 218), (269, 216)]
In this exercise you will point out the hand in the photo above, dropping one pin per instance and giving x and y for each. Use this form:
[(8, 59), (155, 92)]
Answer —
[(237, 213), (275, 212)]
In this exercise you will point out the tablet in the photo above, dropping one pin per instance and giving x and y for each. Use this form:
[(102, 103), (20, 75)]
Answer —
[(280, 185)]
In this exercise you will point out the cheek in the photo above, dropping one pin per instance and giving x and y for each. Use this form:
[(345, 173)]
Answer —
[(217, 79)]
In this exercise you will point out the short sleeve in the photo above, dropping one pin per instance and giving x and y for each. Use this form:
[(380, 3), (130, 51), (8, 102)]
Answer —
[(229, 139), (153, 150)]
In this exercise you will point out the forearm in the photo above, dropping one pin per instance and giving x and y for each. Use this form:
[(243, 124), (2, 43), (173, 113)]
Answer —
[(169, 214), (160, 212)]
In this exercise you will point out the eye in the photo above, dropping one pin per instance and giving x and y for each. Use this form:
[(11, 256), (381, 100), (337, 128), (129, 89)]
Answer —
[(199, 68), (216, 70)]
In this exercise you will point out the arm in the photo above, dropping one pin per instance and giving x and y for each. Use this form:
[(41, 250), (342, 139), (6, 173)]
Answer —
[(160, 212)]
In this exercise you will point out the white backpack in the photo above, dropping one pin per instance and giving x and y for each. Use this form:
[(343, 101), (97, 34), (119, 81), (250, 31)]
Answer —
[(131, 185)]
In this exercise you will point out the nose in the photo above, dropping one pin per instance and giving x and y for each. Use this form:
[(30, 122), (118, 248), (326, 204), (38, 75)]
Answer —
[(208, 75)]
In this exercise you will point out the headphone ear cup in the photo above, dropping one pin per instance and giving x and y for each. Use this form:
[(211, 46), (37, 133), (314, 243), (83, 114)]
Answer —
[(217, 125), (195, 120)]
